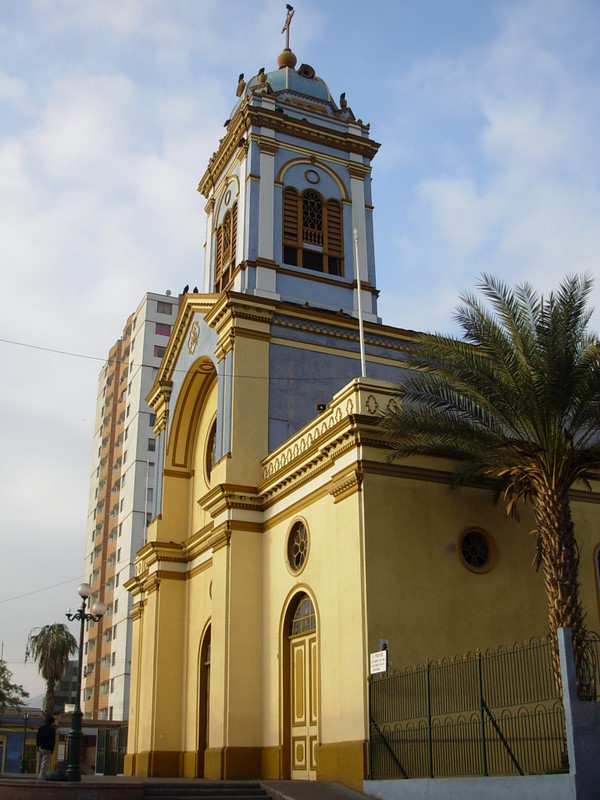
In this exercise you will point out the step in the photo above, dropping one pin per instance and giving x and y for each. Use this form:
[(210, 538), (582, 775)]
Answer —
[(205, 790), (211, 796)]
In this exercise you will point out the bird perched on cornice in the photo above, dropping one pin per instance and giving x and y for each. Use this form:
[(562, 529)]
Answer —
[(241, 85), (343, 101)]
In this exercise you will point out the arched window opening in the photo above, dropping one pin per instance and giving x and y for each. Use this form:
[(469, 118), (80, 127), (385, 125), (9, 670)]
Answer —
[(312, 218), (312, 231), (304, 619), (225, 247), (211, 450)]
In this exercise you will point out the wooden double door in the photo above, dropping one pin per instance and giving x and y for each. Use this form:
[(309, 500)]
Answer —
[(304, 691)]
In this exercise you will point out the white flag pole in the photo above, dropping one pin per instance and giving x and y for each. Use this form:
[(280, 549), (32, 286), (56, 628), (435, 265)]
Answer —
[(361, 333)]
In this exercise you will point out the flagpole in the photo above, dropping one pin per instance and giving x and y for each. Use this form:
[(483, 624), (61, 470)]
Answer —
[(361, 332)]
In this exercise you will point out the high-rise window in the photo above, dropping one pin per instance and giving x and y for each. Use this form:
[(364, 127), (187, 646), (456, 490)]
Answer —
[(162, 330)]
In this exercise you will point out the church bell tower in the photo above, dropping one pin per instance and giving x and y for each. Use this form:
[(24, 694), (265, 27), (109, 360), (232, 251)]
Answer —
[(288, 191)]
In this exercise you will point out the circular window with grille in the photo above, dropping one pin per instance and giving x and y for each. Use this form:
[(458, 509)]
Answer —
[(476, 550), (297, 547)]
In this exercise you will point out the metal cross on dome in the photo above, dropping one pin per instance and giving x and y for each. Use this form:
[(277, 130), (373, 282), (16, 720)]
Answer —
[(286, 25)]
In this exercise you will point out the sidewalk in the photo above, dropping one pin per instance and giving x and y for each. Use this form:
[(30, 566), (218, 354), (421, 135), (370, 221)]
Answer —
[(92, 787)]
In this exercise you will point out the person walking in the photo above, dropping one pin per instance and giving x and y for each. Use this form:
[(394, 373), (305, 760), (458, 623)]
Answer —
[(45, 740)]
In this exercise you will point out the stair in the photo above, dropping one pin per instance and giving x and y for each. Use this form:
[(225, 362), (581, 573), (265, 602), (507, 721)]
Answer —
[(206, 790)]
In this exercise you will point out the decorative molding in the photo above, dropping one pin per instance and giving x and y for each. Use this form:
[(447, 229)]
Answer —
[(297, 507), (346, 485), (341, 332), (315, 277), (322, 426), (170, 575), (371, 404), (266, 263), (200, 568), (151, 584), (311, 132), (193, 337), (267, 146), (358, 171), (227, 498), (233, 306), (171, 472), (249, 117)]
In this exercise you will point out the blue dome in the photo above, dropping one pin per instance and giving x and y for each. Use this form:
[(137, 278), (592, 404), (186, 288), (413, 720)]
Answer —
[(286, 79)]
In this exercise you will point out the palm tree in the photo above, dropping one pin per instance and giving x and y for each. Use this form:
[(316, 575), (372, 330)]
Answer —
[(516, 401), (51, 647)]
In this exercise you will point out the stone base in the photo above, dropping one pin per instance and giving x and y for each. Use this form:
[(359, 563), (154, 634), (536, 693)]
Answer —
[(344, 762), (233, 763)]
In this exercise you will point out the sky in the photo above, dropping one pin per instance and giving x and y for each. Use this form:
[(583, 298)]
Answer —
[(487, 112)]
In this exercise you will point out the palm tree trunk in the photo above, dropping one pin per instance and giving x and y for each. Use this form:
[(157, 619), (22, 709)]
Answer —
[(560, 560), (49, 698)]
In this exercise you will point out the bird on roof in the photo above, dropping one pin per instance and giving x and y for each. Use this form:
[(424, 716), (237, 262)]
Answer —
[(195, 290), (343, 101), (186, 288), (241, 85), (261, 75)]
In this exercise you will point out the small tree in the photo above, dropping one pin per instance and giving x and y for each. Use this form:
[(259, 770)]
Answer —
[(51, 647), (12, 695), (516, 401)]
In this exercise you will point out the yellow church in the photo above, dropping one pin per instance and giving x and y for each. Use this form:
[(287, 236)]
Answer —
[(286, 548)]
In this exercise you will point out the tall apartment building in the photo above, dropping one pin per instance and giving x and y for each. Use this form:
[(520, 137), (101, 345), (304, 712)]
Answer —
[(121, 499)]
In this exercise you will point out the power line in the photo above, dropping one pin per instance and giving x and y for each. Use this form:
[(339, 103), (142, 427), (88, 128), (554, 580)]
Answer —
[(38, 591), (133, 364), (59, 352)]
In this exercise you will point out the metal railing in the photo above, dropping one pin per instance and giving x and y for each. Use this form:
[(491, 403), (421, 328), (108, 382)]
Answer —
[(492, 713)]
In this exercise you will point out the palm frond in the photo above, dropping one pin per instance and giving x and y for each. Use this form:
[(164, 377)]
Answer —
[(519, 391)]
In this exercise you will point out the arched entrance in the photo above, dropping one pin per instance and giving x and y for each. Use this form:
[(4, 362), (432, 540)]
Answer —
[(302, 700), (204, 699)]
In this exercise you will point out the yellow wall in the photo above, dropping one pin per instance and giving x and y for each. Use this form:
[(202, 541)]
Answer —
[(422, 598), (382, 563)]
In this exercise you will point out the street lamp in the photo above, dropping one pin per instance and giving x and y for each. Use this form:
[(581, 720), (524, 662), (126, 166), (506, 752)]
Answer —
[(25, 718), (99, 609)]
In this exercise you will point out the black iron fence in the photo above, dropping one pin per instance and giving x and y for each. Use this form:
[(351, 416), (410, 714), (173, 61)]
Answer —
[(492, 713)]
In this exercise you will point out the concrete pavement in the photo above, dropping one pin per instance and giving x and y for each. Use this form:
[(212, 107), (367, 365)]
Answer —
[(92, 787)]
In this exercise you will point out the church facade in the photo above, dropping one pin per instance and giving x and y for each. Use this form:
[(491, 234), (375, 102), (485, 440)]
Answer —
[(286, 547)]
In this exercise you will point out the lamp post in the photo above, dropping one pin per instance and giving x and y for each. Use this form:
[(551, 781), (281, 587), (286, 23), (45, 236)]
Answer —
[(25, 718), (99, 609)]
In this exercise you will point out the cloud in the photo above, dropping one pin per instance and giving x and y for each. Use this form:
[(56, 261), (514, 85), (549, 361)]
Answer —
[(12, 90), (514, 175), (110, 113)]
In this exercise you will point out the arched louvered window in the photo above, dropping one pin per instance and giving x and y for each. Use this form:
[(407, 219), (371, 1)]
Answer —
[(312, 231), (225, 246)]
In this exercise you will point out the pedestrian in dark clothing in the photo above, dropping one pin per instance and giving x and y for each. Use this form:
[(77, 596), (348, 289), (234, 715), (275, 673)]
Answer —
[(45, 740)]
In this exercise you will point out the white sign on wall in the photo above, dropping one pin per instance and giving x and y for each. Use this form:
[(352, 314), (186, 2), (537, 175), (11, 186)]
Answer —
[(378, 661)]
